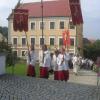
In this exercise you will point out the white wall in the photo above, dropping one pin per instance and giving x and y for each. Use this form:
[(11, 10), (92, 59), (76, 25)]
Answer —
[(2, 64)]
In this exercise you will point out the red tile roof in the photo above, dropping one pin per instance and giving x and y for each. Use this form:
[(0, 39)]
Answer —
[(56, 8)]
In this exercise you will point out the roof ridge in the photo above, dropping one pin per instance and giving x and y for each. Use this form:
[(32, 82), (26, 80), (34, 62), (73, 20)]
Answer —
[(40, 2), (53, 8)]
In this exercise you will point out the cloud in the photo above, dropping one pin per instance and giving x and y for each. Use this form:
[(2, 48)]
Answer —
[(90, 11), (6, 7), (7, 3), (91, 27), (91, 15)]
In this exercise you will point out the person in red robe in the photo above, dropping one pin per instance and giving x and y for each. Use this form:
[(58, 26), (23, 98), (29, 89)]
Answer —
[(45, 62), (55, 66), (31, 61), (63, 67)]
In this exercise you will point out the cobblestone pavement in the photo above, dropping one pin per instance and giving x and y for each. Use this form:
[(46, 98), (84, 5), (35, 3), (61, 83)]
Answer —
[(29, 88)]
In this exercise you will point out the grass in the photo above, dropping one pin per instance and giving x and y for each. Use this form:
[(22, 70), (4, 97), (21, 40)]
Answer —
[(20, 69)]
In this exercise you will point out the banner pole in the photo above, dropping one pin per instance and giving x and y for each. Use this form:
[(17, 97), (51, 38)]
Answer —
[(67, 34), (68, 25), (42, 21), (28, 46), (76, 46)]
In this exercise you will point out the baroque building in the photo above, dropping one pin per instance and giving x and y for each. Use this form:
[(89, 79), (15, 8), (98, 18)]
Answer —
[(56, 19)]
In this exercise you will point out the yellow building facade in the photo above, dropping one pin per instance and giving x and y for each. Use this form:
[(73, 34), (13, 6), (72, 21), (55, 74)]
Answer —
[(54, 26)]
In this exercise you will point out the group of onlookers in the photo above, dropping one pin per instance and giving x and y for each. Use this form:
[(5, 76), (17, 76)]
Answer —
[(87, 64), (81, 63)]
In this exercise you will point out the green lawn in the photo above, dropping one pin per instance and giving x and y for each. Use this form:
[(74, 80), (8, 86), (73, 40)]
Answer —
[(20, 69)]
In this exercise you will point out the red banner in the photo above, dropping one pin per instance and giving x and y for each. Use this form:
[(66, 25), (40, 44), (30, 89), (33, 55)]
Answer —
[(76, 12), (66, 38), (20, 20), (74, 1)]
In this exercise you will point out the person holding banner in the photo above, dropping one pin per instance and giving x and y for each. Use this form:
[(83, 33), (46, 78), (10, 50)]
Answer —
[(46, 62), (67, 63), (63, 68), (31, 61)]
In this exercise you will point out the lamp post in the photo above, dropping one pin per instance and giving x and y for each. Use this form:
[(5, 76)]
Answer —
[(42, 21)]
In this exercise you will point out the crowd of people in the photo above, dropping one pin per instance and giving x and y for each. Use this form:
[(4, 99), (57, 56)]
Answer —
[(59, 62)]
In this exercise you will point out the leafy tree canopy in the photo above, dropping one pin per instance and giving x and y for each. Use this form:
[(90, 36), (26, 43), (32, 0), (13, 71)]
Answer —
[(5, 48), (92, 51), (4, 31)]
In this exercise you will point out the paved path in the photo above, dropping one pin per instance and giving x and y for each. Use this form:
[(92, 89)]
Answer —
[(83, 77), (29, 88)]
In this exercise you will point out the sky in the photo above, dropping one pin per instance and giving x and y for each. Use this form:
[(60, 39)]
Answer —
[(90, 12)]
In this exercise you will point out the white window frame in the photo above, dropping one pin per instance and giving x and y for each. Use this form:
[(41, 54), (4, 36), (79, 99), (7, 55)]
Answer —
[(52, 37), (34, 38), (70, 25), (39, 39), (21, 40), (22, 51), (74, 44), (13, 39), (70, 38), (58, 41), (54, 26), (62, 21), (74, 40), (44, 24), (35, 25)]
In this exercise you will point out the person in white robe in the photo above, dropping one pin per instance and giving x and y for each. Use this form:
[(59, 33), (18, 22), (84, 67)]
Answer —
[(75, 61), (60, 69), (63, 67), (31, 61), (45, 63), (66, 67), (54, 63)]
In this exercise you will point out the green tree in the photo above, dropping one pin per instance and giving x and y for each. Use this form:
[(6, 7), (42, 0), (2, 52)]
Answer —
[(92, 51), (5, 48), (4, 31), (97, 44)]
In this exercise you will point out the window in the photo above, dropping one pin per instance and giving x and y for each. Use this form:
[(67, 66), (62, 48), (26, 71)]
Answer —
[(33, 26), (51, 41), (60, 41), (61, 24), (72, 41), (41, 25), (72, 26), (52, 25), (41, 41), (33, 41), (23, 41), (23, 53), (14, 41)]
